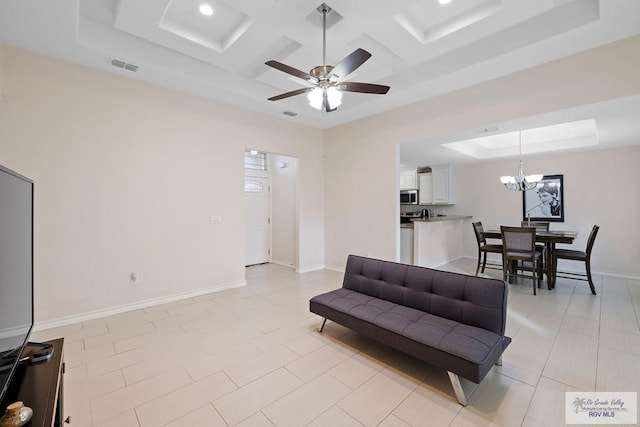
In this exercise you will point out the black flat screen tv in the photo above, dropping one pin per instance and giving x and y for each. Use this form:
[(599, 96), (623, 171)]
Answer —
[(16, 271)]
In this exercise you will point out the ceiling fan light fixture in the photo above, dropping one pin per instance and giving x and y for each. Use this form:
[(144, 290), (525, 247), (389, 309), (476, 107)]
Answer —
[(315, 98), (334, 98)]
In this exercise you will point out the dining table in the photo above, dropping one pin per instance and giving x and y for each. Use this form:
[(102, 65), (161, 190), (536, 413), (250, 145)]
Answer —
[(547, 237)]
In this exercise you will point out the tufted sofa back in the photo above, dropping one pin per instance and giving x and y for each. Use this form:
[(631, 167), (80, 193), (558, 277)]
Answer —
[(471, 300)]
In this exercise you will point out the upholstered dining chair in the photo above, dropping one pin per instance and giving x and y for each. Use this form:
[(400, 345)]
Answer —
[(484, 248), (575, 255), (538, 225), (519, 254)]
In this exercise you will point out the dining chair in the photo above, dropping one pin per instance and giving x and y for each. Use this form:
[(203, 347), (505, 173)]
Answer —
[(519, 254), (539, 226), (576, 255), (484, 248)]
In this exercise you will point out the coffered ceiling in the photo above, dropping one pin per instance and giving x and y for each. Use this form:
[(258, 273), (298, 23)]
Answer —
[(419, 47)]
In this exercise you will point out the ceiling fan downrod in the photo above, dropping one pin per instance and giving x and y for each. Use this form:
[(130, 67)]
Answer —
[(324, 9)]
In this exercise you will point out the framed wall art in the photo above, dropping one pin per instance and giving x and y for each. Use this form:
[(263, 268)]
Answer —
[(545, 202)]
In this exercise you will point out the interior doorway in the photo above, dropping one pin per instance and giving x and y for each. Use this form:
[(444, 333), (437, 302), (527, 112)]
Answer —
[(271, 218), (257, 205)]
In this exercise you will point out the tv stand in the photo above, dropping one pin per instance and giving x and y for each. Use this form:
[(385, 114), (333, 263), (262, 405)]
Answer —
[(38, 382)]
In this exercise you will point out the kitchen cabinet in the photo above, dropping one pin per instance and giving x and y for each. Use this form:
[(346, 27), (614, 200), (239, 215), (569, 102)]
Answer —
[(425, 195), (441, 181), (436, 186), (408, 179)]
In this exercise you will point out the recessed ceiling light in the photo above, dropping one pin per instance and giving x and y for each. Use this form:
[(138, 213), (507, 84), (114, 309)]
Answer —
[(444, 1), (205, 9)]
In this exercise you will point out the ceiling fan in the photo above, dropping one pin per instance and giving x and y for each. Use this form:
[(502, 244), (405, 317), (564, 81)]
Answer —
[(326, 92)]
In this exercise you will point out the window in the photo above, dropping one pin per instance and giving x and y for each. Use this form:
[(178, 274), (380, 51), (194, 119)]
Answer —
[(255, 160), (252, 186)]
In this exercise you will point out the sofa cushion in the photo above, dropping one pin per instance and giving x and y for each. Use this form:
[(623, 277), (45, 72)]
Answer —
[(467, 342), (475, 301)]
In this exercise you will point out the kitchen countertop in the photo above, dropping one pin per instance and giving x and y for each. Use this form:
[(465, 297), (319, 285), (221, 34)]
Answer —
[(442, 218)]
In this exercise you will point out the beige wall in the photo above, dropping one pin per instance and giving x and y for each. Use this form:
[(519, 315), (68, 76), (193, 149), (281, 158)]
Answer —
[(126, 177), (361, 168), (283, 208)]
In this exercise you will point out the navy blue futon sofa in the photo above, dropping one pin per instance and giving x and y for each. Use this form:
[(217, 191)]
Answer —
[(453, 321)]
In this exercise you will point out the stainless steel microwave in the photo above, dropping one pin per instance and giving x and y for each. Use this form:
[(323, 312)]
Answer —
[(409, 197)]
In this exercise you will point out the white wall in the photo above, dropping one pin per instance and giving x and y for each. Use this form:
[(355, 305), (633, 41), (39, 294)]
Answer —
[(284, 222), (361, 169), (126, 177)]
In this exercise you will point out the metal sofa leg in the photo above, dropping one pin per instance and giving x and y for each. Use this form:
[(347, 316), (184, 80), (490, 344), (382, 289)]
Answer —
[(499, 361), (322, 327), (457, 388)]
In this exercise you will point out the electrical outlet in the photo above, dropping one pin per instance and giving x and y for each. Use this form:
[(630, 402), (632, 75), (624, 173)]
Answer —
[(134, 279), (215, 219)]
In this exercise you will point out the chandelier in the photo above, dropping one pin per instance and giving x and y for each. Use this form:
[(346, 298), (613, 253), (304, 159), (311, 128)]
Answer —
[(520, 182)]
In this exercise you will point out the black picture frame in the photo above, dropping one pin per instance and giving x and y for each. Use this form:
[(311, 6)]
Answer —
[(545, 202)]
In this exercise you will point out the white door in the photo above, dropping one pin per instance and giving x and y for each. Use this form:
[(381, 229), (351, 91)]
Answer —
[(257, 196)]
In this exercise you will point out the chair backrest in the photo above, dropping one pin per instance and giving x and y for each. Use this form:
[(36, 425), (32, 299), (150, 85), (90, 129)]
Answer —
[(519, 240), (538, 225), (591, 240), (477, 229)]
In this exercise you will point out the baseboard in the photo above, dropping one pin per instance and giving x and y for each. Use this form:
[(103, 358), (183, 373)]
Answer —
[(40, 326), (595, 272), (309, 270), (334, 268), (284, 264)]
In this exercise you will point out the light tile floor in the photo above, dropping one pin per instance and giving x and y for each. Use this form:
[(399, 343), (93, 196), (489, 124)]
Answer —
[(252, 356)]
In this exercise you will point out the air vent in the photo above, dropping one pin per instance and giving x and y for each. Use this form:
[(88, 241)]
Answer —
[(289, 113), (122, 64), (117, 63)]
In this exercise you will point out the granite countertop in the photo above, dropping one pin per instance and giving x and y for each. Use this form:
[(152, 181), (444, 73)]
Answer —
[(442, 218)]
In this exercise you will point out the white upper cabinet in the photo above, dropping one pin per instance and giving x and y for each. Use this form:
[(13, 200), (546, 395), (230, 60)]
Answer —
[(425, 195), (436, 187), (408, 179), (441, 184)]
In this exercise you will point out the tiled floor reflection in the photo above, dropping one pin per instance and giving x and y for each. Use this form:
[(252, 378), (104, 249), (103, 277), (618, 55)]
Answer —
[(252, 356)]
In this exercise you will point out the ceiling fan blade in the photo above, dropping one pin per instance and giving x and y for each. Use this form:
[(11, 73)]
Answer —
[(363, 87), (350, 63), (292, 93), (290, 70)]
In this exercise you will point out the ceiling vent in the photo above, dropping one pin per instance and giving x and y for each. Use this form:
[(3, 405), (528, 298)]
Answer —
[(122, 64), (289, 113)]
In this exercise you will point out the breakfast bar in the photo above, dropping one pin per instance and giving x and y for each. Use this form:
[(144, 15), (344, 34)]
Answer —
[(439, 239)]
